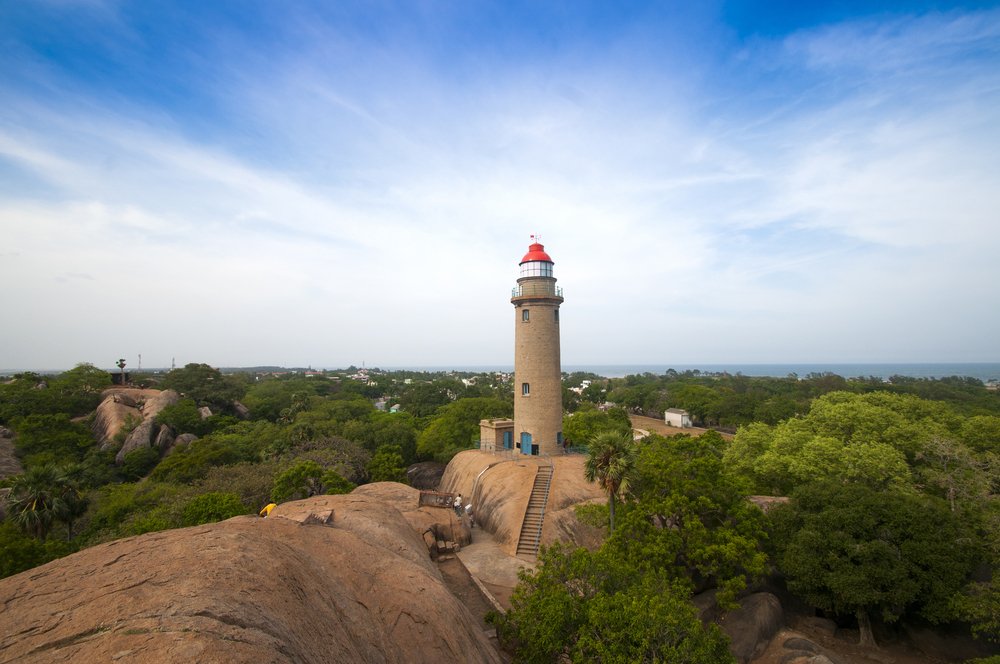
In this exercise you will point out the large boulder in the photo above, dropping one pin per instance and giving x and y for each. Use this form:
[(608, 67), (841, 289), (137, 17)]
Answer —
[(331, 578), (139, 437), (751, 627), (164, 439), (425, 475), (153, 405), (124, 405), (442, 522), (499, 487), (144, 434), (111, 416)]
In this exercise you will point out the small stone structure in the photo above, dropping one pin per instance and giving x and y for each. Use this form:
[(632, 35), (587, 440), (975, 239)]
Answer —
[(496, 434)]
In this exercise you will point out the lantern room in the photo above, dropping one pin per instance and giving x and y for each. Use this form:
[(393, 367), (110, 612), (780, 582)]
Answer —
[(536, 263)]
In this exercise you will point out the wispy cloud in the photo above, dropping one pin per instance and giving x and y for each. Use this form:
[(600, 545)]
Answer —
[(344, 197)]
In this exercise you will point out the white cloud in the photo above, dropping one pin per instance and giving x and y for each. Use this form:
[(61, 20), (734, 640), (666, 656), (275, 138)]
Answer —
[(379, 214)]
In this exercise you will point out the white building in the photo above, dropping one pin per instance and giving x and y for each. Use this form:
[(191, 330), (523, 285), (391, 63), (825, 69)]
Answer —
[(676, 417)]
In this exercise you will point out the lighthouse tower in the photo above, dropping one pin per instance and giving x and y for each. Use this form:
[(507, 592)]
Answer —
[(537, 371)]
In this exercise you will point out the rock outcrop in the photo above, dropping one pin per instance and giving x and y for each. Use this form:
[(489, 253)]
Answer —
[(139, 437), (182, 439), (751, 627), (355, 587), (143, 435), (425, 475), (118, 406), (164, 439), (499, 488)]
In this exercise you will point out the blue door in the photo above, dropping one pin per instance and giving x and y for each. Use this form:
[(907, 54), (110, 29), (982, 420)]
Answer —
[(525, 442), (508, 439)]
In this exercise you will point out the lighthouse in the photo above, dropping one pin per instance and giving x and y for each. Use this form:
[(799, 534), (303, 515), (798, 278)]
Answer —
[(537, 369)]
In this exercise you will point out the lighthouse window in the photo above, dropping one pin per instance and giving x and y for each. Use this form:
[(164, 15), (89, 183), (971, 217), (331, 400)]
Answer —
[(557, 315), (525, 389), (524, 315), (536, 269)]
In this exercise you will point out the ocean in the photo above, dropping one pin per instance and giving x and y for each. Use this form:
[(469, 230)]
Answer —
[(984, 371)]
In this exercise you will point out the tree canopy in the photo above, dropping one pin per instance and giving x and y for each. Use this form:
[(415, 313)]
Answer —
[(593, 606), (455, 426), (851, 549)]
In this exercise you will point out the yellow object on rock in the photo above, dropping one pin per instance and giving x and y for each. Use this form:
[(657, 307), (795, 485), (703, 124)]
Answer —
[(267, 509)]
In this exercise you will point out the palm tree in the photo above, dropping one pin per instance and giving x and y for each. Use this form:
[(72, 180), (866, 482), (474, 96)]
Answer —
[(34, 502), (72, 504), (41, 496), (610, 463)]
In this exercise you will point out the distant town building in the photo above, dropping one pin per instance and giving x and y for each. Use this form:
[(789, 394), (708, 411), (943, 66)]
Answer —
[(676, 417)]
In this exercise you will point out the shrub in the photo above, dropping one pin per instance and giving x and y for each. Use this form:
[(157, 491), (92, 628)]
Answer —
[(211, 507)]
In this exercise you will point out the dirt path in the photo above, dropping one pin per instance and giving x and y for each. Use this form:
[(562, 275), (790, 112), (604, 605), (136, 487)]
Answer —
[(496, 570), (9, 465), (655, 425)]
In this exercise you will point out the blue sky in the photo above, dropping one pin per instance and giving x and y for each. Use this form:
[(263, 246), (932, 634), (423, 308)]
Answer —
[(326, 184)]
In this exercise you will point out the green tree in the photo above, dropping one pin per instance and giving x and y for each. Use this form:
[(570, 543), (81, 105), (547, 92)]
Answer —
[(206, 386), (982, 433), (184, 417), (20, 552), (455, 427), (52, 439), (138, 463), (588, 421), (308, 478), (387, 465), (212, 507), (268, 399), (423, 399), (23, 395), (238, 443), (593, 606), (872, 439), (849, 549), (690, 517), (610, 463), (252, 482), (41, 496), (78, 391), (378, 429), (701, 402)]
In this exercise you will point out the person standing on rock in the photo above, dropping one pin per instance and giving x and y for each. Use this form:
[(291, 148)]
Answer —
[(458, 504)]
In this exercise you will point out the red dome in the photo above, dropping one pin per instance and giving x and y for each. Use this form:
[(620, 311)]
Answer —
[(536, 252)]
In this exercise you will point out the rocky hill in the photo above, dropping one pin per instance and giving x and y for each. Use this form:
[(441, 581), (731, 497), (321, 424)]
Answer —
[(332, 578), (499, 488)]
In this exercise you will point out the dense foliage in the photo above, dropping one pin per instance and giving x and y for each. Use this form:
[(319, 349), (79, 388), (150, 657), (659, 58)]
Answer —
[(873, 475), (595, 607), (685, 525), (892, 487), (729, 401), (300, 434), (851, 549)]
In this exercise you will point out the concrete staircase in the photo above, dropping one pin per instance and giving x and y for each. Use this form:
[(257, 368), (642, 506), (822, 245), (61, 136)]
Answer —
[(534, 516)]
